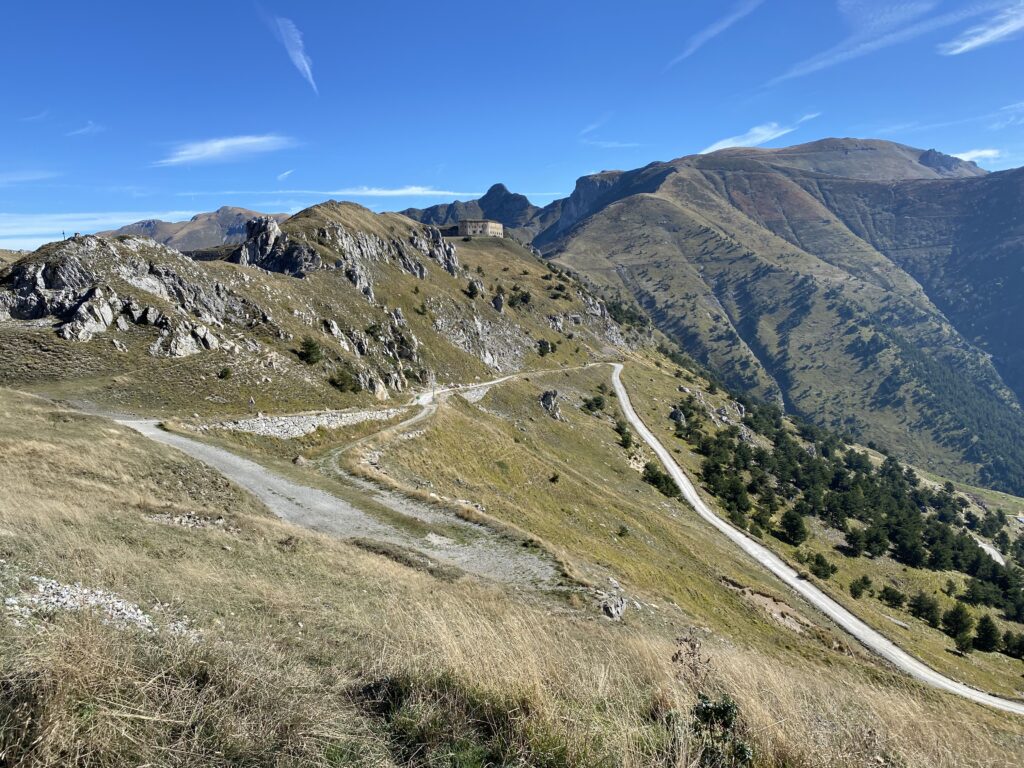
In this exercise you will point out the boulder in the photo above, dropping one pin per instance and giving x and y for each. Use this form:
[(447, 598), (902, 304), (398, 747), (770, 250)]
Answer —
[(614, 606), (549, 402)]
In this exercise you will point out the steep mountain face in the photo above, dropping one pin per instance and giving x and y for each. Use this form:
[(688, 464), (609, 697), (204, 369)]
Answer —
[(226, 225), (871, 287), (513, 210)]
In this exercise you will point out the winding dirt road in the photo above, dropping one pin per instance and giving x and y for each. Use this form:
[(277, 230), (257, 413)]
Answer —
[(321, 511), (477, 550), (867, 636)]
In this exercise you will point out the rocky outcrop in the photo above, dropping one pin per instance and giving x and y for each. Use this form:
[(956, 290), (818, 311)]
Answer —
[(45, 288), (60, 285), (498, 343), (549, 402), (613, 607), (93, 315), (336, 247)]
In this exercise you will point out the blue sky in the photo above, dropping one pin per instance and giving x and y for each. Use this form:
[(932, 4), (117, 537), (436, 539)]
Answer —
[(118, 111)]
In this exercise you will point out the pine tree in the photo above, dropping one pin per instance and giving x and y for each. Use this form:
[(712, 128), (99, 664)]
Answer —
[(986, 635), (926, 608), (855, 542), (794, 530), (957, 621)]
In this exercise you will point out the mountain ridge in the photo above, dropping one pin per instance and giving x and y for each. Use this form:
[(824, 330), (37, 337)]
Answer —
[(842, 277), (226, 225)]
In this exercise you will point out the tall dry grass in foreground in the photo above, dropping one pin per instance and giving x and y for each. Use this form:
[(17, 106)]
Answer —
[(314, 652)]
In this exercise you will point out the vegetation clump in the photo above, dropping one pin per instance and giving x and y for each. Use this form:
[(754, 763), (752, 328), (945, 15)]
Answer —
[(344, 380), (310, 352), (660, 479)]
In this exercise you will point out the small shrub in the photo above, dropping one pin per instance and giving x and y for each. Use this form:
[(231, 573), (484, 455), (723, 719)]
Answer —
[(717, 725), (660, 479), (859, 586), (345, 381), (224, 373), (926, 608), (310, 352), (892, 597), (820, 566), (987, 637), (625, 436), (792, 527)]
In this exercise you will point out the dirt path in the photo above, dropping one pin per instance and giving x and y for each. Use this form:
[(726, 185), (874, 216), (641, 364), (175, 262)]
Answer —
[(477, 550), (871, 639)]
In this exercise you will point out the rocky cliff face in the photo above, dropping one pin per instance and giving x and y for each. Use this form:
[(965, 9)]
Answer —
[(90, 285), (383, 301), (335, 247)]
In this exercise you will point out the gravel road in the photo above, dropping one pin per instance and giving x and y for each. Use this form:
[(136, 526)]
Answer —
[(478, 550), (871, 639)]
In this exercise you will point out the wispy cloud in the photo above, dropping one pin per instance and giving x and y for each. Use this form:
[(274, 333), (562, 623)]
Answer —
[(285, 174), (88, 129), (743, 9), (599, 123), (604, 144), (1004, 25), (10, 178), (291, 38), (1005, 117), (759, 134), (878, 25), (36, 117), (979, 154), (1008, 116), (225, 149), (30, 230), (411, 190)]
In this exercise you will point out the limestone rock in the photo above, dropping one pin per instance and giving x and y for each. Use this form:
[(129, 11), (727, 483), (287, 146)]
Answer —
[(549, 402), (614, 606)]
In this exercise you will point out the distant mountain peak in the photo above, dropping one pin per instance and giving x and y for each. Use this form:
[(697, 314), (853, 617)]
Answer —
[(226, 225), (512, 209), (868, 159)]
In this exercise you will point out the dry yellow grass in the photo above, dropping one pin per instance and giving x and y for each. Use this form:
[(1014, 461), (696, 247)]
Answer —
[(314, 652)]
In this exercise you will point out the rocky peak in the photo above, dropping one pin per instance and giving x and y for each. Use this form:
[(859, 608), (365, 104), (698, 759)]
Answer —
[(947, 165), (335, 246)]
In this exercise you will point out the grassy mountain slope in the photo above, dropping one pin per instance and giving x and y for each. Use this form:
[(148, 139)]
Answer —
[(756, 264), (301, 649)]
